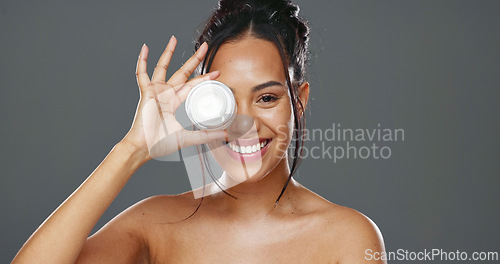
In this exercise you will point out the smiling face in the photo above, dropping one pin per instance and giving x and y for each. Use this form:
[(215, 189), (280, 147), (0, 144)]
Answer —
[(253, 69)]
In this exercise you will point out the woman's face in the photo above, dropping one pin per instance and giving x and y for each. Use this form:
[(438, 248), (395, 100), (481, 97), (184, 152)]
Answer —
[(253, 69)]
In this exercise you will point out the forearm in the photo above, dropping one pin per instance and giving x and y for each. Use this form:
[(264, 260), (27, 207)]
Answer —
[(62, 236)]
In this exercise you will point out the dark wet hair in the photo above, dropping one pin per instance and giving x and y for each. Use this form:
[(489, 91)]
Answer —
[(276, 21)]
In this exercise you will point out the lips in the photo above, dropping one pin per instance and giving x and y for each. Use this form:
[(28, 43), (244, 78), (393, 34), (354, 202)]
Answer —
[(247, 150)]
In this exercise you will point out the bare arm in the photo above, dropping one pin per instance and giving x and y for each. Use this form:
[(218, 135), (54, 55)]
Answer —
[(63, 236)]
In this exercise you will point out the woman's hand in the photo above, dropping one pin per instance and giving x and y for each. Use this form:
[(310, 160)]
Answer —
[(155, 130)]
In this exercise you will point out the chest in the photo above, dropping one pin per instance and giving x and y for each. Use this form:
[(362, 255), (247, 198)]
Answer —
[(293, 242)]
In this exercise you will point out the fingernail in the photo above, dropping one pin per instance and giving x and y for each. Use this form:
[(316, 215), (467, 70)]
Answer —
[(142, 49), (214, 74), (203, 44)]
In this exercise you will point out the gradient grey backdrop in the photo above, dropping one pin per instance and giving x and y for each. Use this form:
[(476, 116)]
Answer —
[(68, 94)]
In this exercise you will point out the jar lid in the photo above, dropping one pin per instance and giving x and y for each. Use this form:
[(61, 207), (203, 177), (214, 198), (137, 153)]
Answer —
[(211, 105)]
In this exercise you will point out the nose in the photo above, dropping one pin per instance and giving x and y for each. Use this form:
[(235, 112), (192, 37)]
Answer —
[(243, 122), (241, 125)]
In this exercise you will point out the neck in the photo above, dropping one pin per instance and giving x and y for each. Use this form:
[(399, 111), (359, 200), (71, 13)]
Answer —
[(258, 199)]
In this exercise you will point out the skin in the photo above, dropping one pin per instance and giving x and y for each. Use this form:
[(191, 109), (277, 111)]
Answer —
[(303, 228), (244, 65)]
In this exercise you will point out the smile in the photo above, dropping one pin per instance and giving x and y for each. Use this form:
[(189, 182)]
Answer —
[(247, 150)]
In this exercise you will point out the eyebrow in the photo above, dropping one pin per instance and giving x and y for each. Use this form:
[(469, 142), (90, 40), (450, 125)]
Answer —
[(263, 86)]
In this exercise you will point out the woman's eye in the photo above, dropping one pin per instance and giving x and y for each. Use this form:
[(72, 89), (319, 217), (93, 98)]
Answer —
[(268, 98)]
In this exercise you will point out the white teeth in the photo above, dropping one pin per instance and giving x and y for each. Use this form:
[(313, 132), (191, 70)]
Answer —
[(247, 149)]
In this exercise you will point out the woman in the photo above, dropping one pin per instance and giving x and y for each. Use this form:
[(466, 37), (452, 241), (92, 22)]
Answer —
[(259, 49)]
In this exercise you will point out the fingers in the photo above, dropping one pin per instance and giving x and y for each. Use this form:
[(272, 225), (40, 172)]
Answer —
[(141, 68), (190, 138), (182, 75), (160, 71)]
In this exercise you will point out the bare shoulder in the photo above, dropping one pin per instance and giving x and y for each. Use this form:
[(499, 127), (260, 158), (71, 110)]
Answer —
[(354, 226), (138, 218), (161, 207), (124, 239), (351, 234)]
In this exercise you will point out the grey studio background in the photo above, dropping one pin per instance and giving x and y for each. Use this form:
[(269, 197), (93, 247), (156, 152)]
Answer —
[(68, 94)]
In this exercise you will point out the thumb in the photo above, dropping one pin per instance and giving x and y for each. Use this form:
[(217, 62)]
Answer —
[(198, 137)]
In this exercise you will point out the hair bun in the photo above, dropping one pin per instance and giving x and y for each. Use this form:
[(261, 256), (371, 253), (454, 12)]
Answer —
[(274, 8)]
